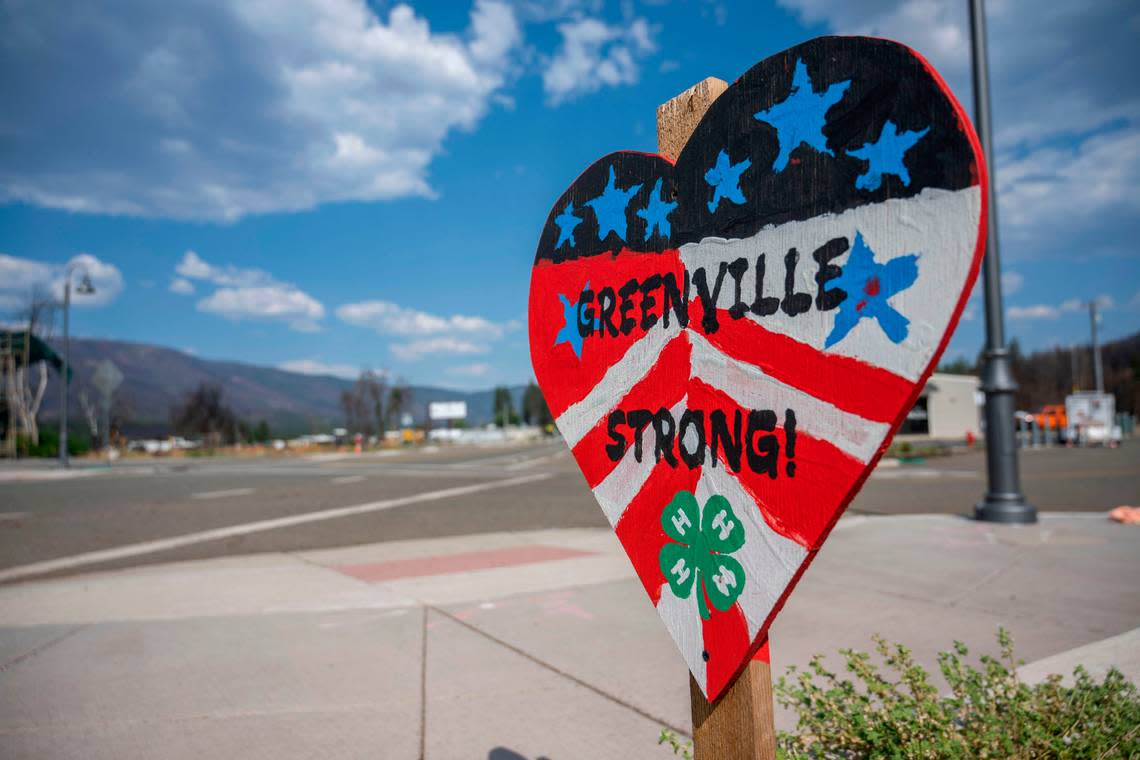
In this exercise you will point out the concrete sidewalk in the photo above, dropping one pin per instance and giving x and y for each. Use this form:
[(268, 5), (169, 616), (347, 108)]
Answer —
[(509, 645)]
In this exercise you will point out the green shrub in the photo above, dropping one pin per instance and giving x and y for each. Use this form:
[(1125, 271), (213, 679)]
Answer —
[(78, 443), (988, 713)]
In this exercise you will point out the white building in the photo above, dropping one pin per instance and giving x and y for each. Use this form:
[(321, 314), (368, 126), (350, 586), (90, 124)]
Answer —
[(948, 408)]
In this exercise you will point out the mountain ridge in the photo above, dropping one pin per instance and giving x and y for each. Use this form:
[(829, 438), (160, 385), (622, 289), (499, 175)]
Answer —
[(155, 378)]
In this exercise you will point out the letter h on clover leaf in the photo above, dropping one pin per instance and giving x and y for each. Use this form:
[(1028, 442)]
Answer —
[(704, 539)]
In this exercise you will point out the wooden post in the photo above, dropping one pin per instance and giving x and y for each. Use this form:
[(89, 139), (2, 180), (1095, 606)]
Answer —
[(740, 724), (679, 116)]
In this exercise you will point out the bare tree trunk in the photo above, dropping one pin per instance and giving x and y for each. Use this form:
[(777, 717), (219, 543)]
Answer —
[(37, 399), (89, 414), (27, 424)]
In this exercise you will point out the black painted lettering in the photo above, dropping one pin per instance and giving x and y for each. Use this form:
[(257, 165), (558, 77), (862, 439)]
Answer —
[(626, 293), (585, 314), (692, 419), (675, 300), (638, 419), (708, 300), (737, 270), (763, 305), (763, 450), (616, 449), (720, 437), (793, 303), (790, 441), (664, 427), (607, 301), (648, 285), (825, 299)]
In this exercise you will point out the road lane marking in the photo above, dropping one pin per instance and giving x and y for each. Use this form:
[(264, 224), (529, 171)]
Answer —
[(348, 479), (221, 494), (164, 544)]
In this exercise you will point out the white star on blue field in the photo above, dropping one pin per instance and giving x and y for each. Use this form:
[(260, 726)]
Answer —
[(566, 222), (610, 206), (800, 118), (724, 176), (656, 214), (885, 156)]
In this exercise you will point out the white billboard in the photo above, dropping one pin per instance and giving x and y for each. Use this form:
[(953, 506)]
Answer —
[(447, 410)]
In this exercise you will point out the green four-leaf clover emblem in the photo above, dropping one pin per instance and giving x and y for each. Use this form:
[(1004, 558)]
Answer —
[(704, 539)]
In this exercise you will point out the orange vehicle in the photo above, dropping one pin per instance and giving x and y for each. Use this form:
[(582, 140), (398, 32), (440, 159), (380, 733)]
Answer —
[(1052, 417)]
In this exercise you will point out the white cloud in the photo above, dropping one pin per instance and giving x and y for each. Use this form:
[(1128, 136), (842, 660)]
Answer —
[(476, 369), (458, 333), (417, 349), (388, 318), (182, 286), (1104, 302), (194, 267), (280, 302), (594, 55), (214, 110), (20, 278), (251, 294), (1053, 190), (315, 367), (1011, 282), (1038, 311)]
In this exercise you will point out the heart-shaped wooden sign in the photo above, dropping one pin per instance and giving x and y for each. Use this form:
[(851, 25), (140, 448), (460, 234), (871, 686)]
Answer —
[(728, 343)]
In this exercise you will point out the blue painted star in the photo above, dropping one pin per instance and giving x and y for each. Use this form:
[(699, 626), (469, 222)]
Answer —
[(656, 214), (566, 222), (725, 177), (869, 285), (569, 332), (886, 156), (609, 208), (800, 118)]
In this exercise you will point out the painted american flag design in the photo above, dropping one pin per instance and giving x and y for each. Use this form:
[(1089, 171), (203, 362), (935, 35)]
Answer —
[(728, 343)]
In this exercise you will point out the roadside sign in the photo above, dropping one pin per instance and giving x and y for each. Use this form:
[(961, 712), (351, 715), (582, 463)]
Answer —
[(728, 342), (447, 410)]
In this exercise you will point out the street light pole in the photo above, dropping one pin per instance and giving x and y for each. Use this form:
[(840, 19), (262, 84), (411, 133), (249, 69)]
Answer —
[(63, 459), (1003, 502)]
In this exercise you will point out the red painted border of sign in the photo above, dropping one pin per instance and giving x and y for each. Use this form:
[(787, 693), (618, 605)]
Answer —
[(759, 646)]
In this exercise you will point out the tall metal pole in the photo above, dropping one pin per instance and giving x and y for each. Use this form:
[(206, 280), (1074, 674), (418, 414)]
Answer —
[(63, 460), (1003, 501), (1098, 369), (1073, 367)]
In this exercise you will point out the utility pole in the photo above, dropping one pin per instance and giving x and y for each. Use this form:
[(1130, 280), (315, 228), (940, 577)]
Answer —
[(1003, 501), (1098, 369), (1073, 367)]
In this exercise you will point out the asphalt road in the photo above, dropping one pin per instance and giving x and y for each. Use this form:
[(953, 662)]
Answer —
[(196, 508)]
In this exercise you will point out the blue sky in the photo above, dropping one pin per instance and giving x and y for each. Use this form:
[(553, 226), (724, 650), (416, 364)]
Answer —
[(325, 186)]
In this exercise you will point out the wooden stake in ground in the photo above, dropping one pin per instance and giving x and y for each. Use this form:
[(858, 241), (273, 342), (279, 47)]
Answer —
[(740, 723)]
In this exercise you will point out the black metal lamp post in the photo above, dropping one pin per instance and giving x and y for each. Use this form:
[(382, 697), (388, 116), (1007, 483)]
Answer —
[(84, 288), (1003, 502)]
